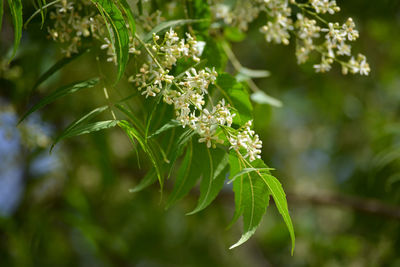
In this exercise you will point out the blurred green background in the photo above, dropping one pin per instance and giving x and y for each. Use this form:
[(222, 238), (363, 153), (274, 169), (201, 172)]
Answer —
[(335, 144)]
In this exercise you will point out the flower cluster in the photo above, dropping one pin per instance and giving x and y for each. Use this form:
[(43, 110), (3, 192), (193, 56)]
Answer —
[(72, 21), (313, 33), (247, 139), (187, 92)]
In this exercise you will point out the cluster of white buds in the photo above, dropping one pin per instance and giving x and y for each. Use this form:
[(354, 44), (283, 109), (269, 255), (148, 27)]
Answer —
[(325, 6), (149, 21), (277, 29), (172, 48), (242, 13), (313, 34), (111, 54), (247, 139), (187, 93), (72, 21)]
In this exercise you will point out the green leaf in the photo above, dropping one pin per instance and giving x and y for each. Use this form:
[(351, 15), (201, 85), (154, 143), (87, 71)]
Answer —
[(135, 121), (166, 127), (1, 12), (251, 196), (212, 181), (63, 91), (16, 13), (276, 190), (149, 179), (77, 123), (234, 34), (188, 174), (165, 26), (57, 66), (247, 170), (39, 11), (178, 147), (120, 38), (150, 117), (43, 12), (214, 53), (251, 200), (236, 94), (128, 12), (262, 98), (246, 73), (134, 134), (91, 127)]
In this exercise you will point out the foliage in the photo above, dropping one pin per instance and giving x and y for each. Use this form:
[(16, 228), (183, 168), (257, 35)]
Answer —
[(189, 99)]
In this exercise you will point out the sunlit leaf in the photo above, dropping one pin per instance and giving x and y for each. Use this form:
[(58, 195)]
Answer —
[(276, 190), (262, 98), (251, 199), (247, 170), (90, 128), (237, 96), (120, 36), (128, 12), (250, 73)]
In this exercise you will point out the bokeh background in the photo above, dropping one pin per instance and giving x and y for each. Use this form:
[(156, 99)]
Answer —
[(335, 143)]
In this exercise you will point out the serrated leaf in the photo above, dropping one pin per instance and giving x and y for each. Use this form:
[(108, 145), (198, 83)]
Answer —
[(234, 167), (57, 66), (77, 123), (16, 13), (251, 196), (120, 38), (211, 184), (91, 127), (165, 26), (255, 200), (262, 98), (247, 170), (237, 96), (166, 127), (279, 196), (149, 179), (128, 12), (63, 91)]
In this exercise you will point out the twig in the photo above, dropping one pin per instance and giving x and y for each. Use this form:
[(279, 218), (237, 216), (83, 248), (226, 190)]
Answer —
[(370, 206)]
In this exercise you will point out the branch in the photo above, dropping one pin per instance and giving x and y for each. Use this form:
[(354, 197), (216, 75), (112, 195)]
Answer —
[(370, 206)]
